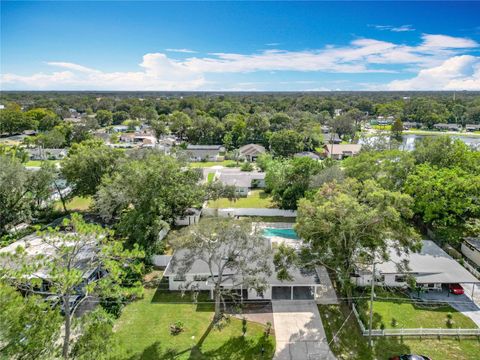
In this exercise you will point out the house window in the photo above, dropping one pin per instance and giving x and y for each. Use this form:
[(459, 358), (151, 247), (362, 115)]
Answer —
[(400, 278), (179, 278), (200, 277)]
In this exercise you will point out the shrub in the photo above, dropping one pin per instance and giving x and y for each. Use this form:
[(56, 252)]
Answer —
[(394, 322), (244, 326), (450, 321), (176, 328), (268, 329), (246, 166)]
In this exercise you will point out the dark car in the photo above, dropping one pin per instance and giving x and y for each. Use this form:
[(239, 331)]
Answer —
[(410, 357)]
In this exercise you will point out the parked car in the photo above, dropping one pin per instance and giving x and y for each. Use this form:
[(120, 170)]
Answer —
[(456, 289), (410, 357)]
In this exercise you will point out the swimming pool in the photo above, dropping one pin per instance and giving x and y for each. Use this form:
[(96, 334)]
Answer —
[(284, 233)]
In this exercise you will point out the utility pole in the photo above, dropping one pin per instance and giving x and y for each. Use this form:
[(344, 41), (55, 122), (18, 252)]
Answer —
[(371, 306)]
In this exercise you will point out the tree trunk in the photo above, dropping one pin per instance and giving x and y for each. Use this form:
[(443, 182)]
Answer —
[(217, 305), (62, 199), (66, 338)]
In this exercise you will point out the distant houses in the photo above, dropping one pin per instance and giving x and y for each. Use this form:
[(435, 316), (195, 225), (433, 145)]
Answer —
[(448, 127), (46, 154), (407, 125), (197, 153), (472, 127), (309, 154)]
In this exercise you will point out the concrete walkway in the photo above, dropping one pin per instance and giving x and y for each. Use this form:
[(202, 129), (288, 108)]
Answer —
[(299, 331)]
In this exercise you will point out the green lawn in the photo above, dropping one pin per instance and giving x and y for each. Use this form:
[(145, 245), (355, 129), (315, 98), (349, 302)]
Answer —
[(204, 164), (350, 344), (38, 163), (143, 331), (410, 315), (77, 203), (256, 199)]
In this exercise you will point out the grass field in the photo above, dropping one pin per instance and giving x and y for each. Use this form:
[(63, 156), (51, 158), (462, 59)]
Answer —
[(349, 343), (143, 332), (256, 199), (204, 164), (77, 203), (409, 315)]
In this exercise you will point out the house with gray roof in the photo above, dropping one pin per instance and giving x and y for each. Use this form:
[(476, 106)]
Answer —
[(432, 268), (448, 127), (205, 152), (251, 152), (472, 127), (309, 154), (243, 181), (304, 284)]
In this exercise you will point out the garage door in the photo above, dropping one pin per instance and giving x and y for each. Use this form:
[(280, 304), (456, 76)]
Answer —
[(303, 292), (281, 293)]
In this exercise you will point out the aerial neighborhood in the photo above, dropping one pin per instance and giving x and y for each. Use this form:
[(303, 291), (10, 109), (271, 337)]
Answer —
[(239, 180), (276, 224)]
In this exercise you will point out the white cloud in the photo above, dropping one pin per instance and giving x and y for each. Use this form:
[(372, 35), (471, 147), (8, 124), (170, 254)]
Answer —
[(401, 28), (158, 71), (187, 51), (457, 73)]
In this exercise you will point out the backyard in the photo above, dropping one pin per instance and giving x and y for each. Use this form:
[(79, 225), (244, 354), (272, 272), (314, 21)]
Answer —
[(349, 343), (143, 331), (205, 164), (256, 199), (76, 203)]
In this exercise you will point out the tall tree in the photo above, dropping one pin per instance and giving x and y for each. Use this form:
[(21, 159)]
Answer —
[(29, 328), (71, 255), (397, 129), (234, 254), (345, 224), (146, 195), (285, 143), (86, 164)]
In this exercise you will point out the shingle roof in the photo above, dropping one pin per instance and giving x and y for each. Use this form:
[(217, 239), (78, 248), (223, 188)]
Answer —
[(251, 149)]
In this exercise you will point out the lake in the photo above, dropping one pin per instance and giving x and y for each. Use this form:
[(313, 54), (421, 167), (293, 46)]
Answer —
[(409, 140)]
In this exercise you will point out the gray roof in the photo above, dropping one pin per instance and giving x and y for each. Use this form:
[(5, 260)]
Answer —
[(239, 178), (205, 147), (475, 242), (200, 267), (430, 265), (343, 149), (251, 150), (46, 152), (309, 154)]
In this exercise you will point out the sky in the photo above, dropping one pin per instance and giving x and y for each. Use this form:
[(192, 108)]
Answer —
[(239, 46)]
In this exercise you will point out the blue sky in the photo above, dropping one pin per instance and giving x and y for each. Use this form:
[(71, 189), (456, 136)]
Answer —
[(240, 46)]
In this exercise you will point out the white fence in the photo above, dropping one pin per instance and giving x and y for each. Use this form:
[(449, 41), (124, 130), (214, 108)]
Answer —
[(415, 332), (232, 212)]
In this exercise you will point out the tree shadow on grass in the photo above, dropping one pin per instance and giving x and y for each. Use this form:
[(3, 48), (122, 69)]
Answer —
[(155, 352), (237, 348)]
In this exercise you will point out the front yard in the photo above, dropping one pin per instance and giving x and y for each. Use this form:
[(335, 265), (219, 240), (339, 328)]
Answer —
[(403, 313), (143, 331), (349, 343), (77, 203), (256, 199)]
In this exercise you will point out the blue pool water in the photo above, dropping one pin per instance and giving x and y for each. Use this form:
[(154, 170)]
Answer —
[(284, 233)]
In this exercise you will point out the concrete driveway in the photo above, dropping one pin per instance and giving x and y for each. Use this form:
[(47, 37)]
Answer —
[(299, 331)]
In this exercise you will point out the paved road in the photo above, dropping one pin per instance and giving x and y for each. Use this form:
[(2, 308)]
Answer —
[(299, 331)]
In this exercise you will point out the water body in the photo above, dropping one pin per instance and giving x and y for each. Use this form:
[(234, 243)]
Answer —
[(409, 140), (283, 233)]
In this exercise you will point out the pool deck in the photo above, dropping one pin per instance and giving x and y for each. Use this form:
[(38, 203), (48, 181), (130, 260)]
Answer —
[(295, 243)]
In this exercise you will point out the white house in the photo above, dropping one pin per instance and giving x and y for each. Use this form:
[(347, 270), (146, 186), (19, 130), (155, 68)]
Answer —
[(46, 154), (305, 285), (432, 268), (205, 152), (243, 181), (471, 249)]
